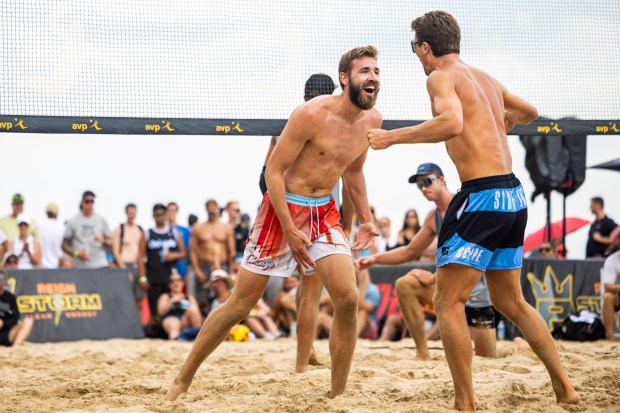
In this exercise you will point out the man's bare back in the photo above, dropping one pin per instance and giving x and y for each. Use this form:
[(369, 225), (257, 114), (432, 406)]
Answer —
[(482, 147)]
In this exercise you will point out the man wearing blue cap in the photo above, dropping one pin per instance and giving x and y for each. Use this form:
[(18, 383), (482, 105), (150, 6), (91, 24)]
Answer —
[(419, 285)]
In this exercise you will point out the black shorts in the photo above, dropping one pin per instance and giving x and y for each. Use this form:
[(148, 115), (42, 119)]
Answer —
[(4, 338), (484, 225), (480, 317)]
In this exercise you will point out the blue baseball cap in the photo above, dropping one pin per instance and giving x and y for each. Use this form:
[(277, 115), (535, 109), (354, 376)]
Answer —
[(426, 169)]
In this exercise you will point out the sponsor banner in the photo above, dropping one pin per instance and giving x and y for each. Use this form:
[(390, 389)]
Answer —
[(555, 288), (72, 305), (250, 127)]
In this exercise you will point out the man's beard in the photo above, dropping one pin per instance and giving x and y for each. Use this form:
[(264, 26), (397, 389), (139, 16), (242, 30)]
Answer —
[(212, 216), (360, 100)]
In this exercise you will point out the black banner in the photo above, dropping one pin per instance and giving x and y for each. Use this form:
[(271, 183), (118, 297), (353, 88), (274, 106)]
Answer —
[(555, 288), (250, 127), (72, 305)]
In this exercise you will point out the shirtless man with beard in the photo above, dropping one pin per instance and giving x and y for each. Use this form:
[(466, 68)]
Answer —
[(298, 224)]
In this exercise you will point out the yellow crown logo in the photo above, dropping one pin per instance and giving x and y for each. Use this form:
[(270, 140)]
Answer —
[(554, 299)]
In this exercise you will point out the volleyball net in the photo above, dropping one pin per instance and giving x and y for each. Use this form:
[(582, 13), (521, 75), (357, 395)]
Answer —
[(239, 67)]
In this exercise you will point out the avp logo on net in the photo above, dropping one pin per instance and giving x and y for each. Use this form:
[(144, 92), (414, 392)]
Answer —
[(226, 129)]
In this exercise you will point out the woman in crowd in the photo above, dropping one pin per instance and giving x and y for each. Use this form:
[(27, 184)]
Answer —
[(411, 226), (25, 246), (177, 310)]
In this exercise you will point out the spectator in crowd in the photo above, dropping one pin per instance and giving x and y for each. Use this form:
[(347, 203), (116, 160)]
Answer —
[(176, 309), (213, 247), (87, 235), (384, 240), (191, 221), (285, 307), (419, 285), (547, 250), (52, 234), (429, 256), (221, 284), (65, 262), (260, 323), (598, 238), (12, 329), (367, 309), (411, 226), (611, 283), (10, 260), (25, 246), (8, 224), (162, 246), (240, 231), (395, 327), (126, 242), (173, 211), (3, 245)]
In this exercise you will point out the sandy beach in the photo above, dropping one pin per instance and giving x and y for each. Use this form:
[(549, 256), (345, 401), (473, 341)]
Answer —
[(257, 376)]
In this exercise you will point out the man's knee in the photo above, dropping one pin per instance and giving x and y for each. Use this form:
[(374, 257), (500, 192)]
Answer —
[(346, 301), (510, 307), (609, 298), (408, 283), (311, 289)]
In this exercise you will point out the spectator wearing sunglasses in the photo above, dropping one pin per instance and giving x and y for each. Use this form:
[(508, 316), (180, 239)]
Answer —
[(87, 236), (418, 286), (547, 250), (177, 309)]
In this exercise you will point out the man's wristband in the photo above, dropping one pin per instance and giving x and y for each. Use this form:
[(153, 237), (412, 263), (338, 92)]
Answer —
[(142, 279), (76, 253)]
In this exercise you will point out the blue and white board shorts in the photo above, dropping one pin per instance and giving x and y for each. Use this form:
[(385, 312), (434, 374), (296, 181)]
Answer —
[(484, 225)]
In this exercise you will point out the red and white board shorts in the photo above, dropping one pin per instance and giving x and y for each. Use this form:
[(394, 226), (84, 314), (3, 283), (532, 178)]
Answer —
[(267, 252)]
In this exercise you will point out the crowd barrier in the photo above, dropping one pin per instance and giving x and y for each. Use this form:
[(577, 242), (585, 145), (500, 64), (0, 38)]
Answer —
[(556, 288), (76, 304), (98, 304)]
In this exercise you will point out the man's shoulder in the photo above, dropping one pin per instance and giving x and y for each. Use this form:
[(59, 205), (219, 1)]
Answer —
[(76, 218), (100, 218)]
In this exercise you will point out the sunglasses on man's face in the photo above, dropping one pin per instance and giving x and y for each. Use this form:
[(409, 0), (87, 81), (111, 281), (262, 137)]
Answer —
[(544, 249), (89, 201), (425, 182)]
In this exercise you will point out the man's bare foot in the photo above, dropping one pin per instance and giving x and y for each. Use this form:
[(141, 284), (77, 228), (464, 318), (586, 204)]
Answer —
[(422, 355), (521, 343), (175, 389), (464, 407), (565, 393), (333, 395), (313, 360)]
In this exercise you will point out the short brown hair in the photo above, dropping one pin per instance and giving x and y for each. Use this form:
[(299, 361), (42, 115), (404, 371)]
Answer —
[(440, 30), (345, 61), (211, 202)]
